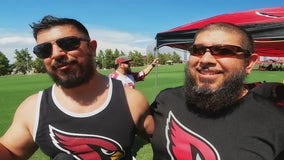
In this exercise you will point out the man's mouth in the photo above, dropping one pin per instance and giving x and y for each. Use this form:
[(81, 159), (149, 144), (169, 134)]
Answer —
[(63, 65)]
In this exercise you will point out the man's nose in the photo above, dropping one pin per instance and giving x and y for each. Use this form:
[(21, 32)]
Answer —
[(57, 51)]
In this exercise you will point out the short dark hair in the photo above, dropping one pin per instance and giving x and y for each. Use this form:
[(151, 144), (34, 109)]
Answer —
[(246, 39), (51, 21)]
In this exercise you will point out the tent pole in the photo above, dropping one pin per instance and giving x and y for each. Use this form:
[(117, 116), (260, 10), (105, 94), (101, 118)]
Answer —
[(156, 49)]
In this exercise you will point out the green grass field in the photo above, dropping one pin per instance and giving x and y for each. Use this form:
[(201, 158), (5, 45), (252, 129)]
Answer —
[(14, 89)]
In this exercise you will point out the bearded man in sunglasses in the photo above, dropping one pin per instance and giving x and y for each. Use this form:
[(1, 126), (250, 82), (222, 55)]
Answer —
[(123, 71), (213, 116), (83, 114)]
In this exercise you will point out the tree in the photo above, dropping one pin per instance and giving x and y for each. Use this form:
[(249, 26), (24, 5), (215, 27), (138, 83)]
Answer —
[(4, 65), (176, 58), (150, 58), (162, 58), (109, 59), (23, 61), (38, 66), (100, 60), (116, 53), (137, 58), (168, 56), (106, 59)]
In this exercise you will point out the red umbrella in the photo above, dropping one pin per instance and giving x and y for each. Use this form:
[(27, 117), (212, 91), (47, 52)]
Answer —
[(265, 25)]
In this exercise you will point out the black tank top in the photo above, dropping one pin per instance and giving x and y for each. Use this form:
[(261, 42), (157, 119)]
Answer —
[(105, 133)]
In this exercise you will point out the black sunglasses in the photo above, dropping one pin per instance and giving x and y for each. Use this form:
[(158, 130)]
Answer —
[(218, 50), (44, 50), (126, 63)]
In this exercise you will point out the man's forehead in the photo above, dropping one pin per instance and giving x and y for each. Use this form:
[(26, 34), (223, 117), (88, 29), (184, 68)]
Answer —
[(217, 37)]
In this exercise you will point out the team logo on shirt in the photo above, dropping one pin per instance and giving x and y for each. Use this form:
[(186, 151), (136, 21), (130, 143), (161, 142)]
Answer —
[(184, 144), (86, 146)]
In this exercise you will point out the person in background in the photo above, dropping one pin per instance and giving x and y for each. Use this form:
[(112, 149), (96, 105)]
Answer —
[(84, 114), (214, 116), (123, 71)]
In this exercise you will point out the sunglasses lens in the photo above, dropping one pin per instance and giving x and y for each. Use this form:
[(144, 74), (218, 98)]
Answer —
[(224, 50), (221, 50), (43, 50), (197, 50), (69, 43)]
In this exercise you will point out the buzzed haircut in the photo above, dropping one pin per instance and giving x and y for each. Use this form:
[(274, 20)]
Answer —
[(246, 39)]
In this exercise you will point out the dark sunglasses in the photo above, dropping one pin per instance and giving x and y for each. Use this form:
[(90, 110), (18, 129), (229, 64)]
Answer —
[(126, 63), (44, 50), (218, 50)]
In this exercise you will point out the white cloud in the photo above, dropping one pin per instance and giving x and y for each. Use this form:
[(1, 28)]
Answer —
[(123, 41), (9, 43), (15, 39), (106, 39)]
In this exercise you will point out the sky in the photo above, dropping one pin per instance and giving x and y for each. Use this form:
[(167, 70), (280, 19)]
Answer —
[(126, 25)]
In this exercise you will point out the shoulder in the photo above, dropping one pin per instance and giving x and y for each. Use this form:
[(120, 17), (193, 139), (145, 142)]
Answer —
[(134, 96), (263, 111), (25, 113), (139, 108), (113, 74), (168, 98), (137, 102), (27, 106), (264, 106), (29, 102), (171, 92), (18, 138), (265, 89)]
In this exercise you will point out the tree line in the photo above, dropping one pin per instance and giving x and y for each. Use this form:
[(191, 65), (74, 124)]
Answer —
[(25, 64)]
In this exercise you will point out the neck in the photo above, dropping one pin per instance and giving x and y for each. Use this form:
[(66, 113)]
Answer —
[(84, 98), (97, 83)]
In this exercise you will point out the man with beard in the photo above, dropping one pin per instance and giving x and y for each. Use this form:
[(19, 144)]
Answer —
[(213, 116), (123, 71), (83, 114)]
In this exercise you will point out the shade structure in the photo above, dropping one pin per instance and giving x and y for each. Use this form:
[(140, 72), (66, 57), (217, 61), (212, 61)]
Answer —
[(265, 25)]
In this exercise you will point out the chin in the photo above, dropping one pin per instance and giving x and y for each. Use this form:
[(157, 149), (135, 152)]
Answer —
[(209, 86)]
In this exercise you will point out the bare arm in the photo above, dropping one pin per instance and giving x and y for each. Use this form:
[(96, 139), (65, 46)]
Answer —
[(146, 126), (17, 142), (150, 67), (5, 153), (139, 109)]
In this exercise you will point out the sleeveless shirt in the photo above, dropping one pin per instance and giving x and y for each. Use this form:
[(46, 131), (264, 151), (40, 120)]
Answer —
[(105, 133)]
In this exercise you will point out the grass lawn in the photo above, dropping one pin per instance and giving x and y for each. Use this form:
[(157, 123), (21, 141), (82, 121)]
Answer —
[(14, 89)]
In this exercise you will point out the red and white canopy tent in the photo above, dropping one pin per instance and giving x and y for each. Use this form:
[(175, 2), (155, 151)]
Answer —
[(265, 25)]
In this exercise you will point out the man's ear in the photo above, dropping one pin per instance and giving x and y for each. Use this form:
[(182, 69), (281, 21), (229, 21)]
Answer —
[(251, 62), (93, 46)]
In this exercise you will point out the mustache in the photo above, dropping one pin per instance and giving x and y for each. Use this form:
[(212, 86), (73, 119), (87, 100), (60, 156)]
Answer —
[(208, 69), (62, 62)]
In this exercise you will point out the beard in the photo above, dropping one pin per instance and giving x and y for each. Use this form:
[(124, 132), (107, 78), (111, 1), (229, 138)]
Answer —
[(128, 70), (73, 78), (209, 100)]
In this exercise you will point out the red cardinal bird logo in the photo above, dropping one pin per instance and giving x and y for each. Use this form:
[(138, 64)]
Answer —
[(85, 146), (184, 144)]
